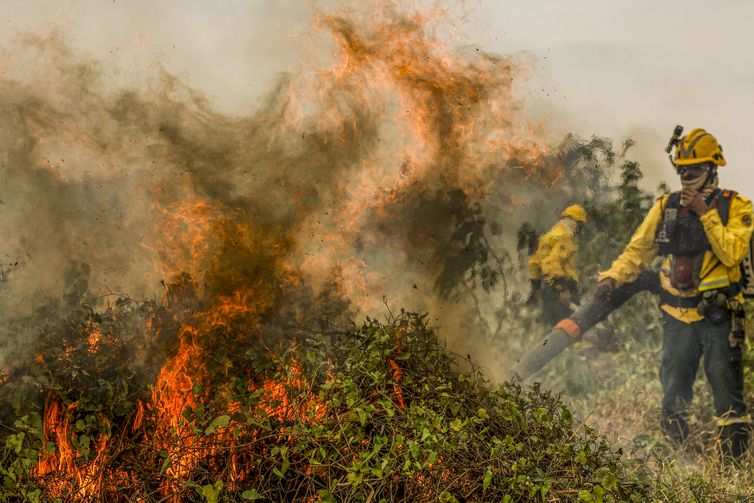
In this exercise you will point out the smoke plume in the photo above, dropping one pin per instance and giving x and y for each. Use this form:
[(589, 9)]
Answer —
[(383, 176)]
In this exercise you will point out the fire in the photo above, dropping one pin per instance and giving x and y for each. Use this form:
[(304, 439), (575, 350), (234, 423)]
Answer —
[(94, 339), (430, 121), (445, 121), (201, 238), (138, 417), (187, 230), (173, 393), (67, 474), (278, 403), (395, 369), (183, 385)]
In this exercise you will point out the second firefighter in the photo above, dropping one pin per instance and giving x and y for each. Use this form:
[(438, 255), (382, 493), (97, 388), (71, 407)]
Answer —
[(552, 267)]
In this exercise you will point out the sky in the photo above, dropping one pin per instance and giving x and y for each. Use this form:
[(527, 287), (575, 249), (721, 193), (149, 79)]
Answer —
[(615, 69)]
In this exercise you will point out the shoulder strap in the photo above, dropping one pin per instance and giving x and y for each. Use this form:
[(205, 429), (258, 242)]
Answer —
[(674, 200), (723, 204)]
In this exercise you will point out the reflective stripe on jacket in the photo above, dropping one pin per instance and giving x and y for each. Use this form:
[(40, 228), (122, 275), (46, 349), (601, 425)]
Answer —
[(720, 266), (555, 257)]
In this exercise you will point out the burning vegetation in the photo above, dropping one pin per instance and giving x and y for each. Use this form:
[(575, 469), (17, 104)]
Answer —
[(343, 414), (181, 326)]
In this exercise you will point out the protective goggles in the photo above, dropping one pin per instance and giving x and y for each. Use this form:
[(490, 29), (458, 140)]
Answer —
[(693, 169)]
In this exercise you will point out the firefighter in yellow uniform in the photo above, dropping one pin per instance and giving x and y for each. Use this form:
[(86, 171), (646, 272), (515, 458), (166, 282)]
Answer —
[(702, 233), (552, 268)]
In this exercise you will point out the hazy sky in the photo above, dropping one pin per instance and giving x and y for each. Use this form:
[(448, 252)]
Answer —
[(601, 67)]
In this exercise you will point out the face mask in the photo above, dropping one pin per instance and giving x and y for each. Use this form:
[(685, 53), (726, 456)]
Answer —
[(696, 183)]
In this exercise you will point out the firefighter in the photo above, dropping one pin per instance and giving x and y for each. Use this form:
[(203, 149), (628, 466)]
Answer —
[(552, 268), (702, 234)]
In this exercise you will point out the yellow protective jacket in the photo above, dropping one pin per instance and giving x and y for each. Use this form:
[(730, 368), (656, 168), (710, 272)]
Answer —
[(720, 266), (555, 257)]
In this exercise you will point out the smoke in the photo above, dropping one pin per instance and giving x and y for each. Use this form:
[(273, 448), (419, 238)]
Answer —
[(381, 177)]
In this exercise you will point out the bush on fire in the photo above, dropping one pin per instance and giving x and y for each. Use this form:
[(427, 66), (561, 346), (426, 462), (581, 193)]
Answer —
[(379, 413)]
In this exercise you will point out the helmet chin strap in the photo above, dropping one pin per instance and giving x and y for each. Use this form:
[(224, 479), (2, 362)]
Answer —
[(710, 183)]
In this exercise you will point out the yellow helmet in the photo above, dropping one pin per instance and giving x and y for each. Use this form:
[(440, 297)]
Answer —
[(576, 212), (697, 147)]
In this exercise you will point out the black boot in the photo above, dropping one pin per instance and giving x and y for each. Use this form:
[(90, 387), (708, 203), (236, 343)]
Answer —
[(734, 440)]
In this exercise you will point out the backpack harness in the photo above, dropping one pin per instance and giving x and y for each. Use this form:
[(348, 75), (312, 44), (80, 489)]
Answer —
[(681, 234)]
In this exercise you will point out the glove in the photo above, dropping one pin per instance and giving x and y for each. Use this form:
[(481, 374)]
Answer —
[(605, 288), (565, 296)]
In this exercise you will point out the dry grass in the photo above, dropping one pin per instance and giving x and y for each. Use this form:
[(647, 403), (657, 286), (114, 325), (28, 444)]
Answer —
[(619, 395)]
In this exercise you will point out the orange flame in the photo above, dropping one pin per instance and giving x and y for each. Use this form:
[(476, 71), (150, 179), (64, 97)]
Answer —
[(395, 370), (63, 465), (94, 338)]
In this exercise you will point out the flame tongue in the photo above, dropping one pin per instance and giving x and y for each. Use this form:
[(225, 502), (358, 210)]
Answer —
[(62, 463), (181, 387)]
